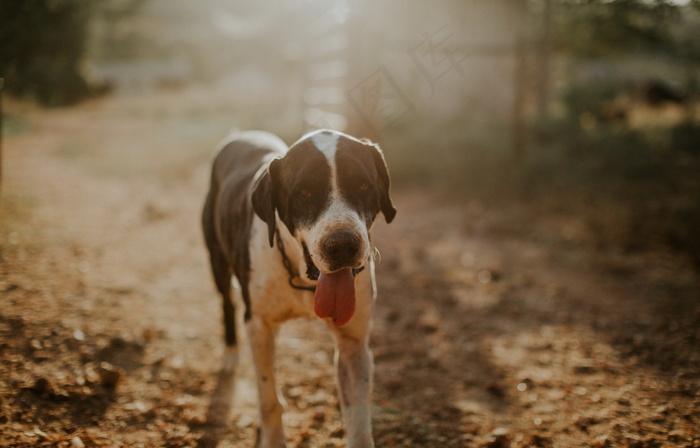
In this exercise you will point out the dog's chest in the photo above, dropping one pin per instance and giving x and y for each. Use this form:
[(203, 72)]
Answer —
[(272, 296)]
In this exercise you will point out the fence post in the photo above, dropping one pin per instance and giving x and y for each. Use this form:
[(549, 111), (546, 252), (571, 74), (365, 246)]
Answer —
[(518, 131)]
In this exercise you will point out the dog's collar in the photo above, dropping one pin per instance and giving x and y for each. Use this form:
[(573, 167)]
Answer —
[(288, 266)]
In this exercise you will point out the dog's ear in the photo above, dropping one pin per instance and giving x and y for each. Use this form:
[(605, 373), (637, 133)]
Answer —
[(264, 199), (385, 204)]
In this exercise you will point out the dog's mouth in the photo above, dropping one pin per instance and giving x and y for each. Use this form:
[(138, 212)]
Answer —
[(334, 297), (313, 273)]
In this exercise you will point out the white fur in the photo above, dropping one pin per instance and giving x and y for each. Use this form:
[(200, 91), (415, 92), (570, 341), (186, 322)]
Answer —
[(327, 143)]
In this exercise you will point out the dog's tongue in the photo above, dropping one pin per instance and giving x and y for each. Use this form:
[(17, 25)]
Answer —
[(335, 296)]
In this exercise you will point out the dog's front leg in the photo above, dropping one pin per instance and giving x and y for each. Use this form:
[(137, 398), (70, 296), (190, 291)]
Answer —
[(262, 342), (355, 370), (355, 364)]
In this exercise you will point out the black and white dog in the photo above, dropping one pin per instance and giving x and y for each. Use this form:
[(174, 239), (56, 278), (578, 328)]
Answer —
[(292, 225)]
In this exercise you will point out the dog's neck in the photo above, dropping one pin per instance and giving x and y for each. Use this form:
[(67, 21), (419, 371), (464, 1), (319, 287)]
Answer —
[(292, 254)]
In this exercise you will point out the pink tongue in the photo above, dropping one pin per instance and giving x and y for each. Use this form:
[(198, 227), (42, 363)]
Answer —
[(335, 296)]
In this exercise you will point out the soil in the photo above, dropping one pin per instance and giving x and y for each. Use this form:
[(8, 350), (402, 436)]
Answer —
[(499, 323)]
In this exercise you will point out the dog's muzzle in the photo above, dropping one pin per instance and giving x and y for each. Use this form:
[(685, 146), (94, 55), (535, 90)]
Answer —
[(341, 249)]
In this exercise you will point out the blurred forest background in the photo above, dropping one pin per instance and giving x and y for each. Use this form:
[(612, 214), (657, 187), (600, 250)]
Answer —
[(587, 106), (538, 288)]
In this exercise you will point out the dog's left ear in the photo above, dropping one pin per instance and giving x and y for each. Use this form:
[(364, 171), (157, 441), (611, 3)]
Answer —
[(385, 204), (264, 202)]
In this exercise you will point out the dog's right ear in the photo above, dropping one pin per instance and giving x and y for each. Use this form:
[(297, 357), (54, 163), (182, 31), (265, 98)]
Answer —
[(385, 204), (264, 203)]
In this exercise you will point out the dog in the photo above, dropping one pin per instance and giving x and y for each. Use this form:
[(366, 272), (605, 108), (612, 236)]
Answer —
[(292, 225)]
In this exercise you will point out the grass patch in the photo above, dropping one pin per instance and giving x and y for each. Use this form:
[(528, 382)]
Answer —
[(14, 125), (633, 188), (16, 229), (71, 150)]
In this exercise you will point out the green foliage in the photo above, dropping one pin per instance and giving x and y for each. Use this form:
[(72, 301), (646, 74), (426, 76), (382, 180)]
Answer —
[(686, 137), (589, 98), (594, 28), (637, 187), (687, 44), (41, 48), (16, 227), (43, 44), (645, 176), (681, 226)]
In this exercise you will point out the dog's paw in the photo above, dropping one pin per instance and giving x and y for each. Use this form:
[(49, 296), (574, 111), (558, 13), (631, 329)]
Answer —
[(276, 440)]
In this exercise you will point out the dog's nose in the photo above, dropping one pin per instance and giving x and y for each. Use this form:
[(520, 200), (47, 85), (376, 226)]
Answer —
[(342, 248)]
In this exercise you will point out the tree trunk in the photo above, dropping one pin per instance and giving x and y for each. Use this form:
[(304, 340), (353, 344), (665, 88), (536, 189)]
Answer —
[(519, 47), (543, 53)]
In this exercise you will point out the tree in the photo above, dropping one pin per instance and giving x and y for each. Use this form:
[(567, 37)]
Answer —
[(606, 28), (43, 43)]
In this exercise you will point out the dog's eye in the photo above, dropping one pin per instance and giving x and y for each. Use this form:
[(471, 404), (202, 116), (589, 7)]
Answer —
[(305, 193), (363, 187)]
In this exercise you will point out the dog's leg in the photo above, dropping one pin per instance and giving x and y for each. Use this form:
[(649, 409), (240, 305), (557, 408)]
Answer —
[(262, 343), (222, 398), (221, 269), (355, 370), (230, 363), (222, 277)]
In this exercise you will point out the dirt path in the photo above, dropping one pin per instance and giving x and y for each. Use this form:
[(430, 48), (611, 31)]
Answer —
[(496, 326)]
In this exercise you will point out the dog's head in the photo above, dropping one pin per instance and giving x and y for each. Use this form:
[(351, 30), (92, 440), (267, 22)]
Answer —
[(327, 190)]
